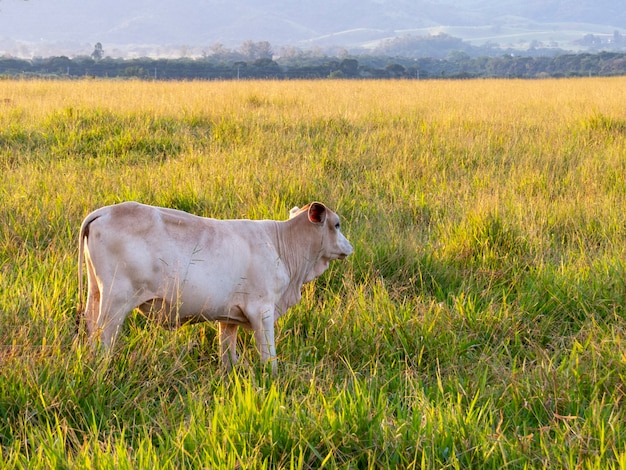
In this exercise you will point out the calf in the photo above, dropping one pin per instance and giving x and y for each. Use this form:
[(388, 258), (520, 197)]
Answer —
[(185, 269)]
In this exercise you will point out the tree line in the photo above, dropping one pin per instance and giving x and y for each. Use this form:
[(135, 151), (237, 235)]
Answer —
[(457, 64)]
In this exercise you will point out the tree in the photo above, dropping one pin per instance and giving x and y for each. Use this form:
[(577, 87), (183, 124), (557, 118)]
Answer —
[(264, 50), (395, 70), (349, 67), (218, 50), (256, 50), (134, 71), (59, 65), (98, 52), (266, 68)]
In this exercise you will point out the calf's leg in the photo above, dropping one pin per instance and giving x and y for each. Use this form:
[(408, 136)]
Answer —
[(116, 301), (228, 344), (263, 325)]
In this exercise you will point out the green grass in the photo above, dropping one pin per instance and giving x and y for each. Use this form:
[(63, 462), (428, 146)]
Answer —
[(479, 323)]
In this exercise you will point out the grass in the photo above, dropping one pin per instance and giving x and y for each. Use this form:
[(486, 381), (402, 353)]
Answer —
[(479, 323)]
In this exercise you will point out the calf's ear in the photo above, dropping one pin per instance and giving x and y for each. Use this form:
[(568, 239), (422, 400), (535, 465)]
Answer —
[(317, 213)]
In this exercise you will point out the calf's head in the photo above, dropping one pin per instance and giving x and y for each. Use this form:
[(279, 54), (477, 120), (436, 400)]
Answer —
[(333, 244)]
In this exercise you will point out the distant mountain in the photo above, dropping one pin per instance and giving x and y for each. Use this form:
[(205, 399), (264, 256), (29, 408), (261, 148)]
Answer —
[(188, 26)]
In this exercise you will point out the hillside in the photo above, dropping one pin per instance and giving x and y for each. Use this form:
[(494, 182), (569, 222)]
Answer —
[(74, 26)]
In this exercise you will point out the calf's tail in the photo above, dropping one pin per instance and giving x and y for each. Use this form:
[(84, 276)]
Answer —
[(82, 239)]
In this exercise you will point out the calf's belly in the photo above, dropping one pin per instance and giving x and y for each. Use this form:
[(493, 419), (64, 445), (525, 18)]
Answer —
[(174, 314)]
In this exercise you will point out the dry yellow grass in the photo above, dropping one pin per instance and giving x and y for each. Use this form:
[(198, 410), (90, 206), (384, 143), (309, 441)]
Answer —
[(540, 101)]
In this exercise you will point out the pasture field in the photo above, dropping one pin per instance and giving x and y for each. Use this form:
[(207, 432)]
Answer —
[(480, 322)]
